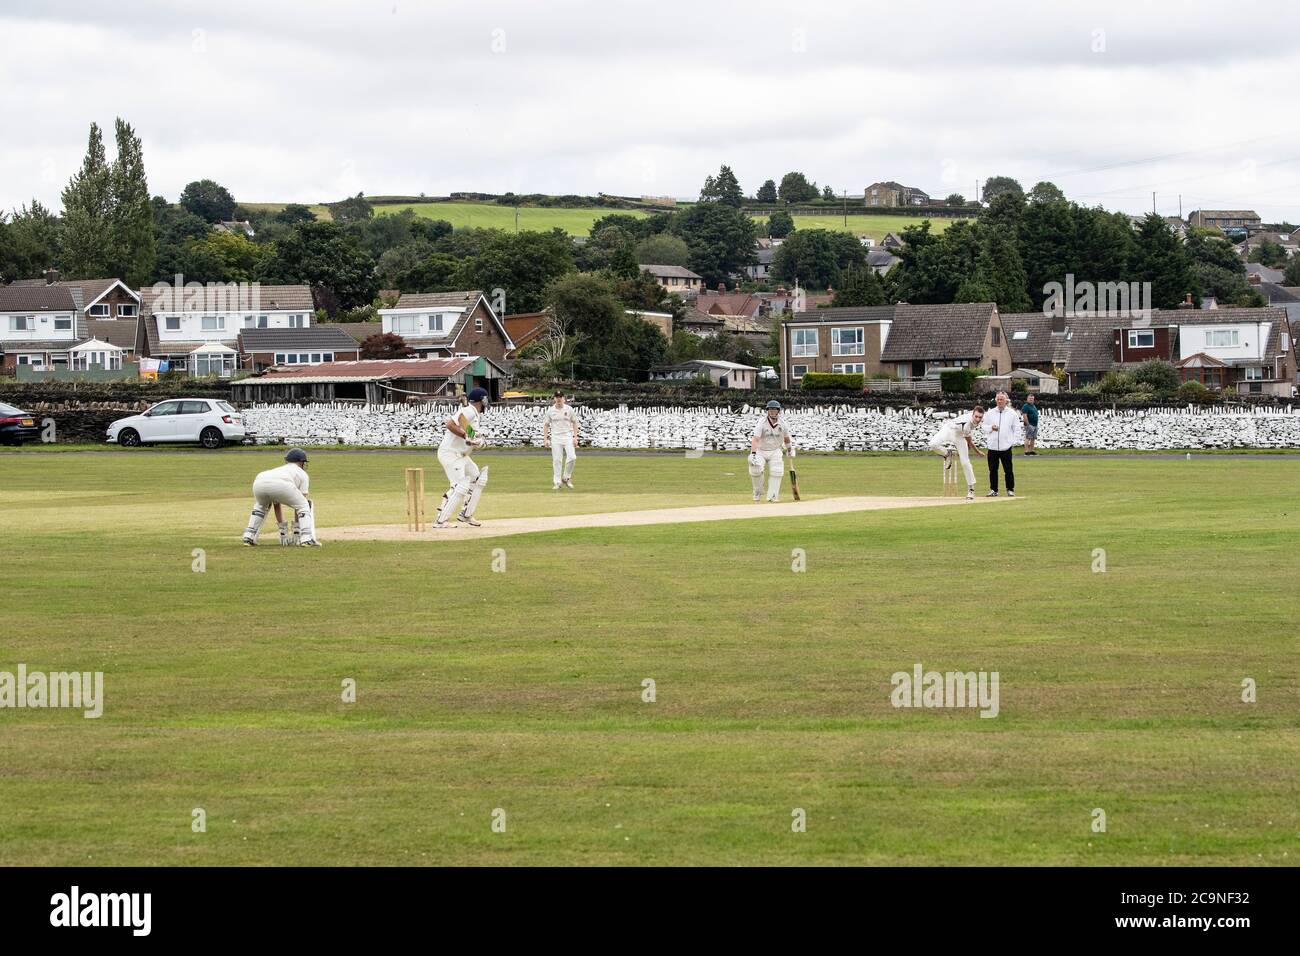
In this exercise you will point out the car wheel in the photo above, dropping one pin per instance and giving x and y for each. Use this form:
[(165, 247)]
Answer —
[(128, 438), (211, 437)]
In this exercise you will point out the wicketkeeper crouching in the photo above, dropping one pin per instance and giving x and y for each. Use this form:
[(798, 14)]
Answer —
[(765, 446), (286, 485)]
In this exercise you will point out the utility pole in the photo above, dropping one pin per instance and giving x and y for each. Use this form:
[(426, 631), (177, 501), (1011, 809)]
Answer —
[(1153, 201), (846, 208), (516, 220), (1180, 205)]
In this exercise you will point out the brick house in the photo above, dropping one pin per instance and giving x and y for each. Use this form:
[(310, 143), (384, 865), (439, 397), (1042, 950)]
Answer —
[(444, 324), (260, 349), (905, 341), (1227, 220), (890, 193)]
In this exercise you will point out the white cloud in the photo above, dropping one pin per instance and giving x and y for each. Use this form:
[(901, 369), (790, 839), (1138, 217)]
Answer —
[(309, 101)]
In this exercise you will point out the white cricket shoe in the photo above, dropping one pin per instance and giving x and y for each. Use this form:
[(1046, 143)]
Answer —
[(252, 542), (970, 493), (568, 483), (466, 519), (757, 496), (774, 499), (310, 543)]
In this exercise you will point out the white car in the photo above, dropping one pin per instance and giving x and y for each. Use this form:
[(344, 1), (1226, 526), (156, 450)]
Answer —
[(209, 421)]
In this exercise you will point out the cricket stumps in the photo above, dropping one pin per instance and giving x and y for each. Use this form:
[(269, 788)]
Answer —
[(950, 477), (415, 499)]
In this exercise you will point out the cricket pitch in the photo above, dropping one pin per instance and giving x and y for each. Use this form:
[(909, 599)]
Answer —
[(500, 527)]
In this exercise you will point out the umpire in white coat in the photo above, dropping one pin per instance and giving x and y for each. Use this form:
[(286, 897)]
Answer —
[(1002, 431)]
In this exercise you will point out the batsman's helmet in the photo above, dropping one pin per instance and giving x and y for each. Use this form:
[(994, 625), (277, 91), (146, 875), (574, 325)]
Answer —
[(774, 404), (295, 455), (478, 395)]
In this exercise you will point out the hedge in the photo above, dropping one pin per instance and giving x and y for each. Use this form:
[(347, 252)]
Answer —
[(833, 382)]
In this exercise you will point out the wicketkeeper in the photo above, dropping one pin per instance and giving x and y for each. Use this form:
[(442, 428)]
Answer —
[(286, 485), (458, 442), (770, 437)]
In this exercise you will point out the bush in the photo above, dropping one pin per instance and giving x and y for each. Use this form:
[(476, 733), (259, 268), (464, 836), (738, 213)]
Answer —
[(833, 382), (959, 381), (1115, 383), (1194, 393), (1161, 376), (1019, 388)]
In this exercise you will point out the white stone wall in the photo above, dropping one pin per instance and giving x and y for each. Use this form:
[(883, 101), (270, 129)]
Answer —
[(825, 428)]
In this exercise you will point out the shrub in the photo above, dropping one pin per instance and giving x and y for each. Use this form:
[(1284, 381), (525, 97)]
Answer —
[(959, 381), (1161, 376), (1115, 383), (833, 382), (1194, 393), (1019, 388)]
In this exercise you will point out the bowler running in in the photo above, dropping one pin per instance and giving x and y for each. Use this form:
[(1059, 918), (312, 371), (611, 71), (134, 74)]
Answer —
[(956, 435)]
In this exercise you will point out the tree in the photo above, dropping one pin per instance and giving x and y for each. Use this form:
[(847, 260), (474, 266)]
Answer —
[(955, 199), (1046, 192), (795, 187), (609, 344), (416, 267), (817, 257), (30, 243), (662, 249), (87, 238), (859, 286), (1162, 260), (353, 209), (208, 200), (326, 256), (723, 188), (1269, 253), (720, 239), (1291, 275), (767, 192), (133, 248), (294, 213), (780, 224), (828, 194), (995, 186), (522, 264), (385, 345)]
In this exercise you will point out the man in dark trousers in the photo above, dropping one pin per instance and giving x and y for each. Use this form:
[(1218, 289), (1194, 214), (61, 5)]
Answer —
[(1029, 416), (1002, 430)]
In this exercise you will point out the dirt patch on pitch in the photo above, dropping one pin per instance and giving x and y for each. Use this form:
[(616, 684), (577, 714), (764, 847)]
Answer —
[(499, 527)]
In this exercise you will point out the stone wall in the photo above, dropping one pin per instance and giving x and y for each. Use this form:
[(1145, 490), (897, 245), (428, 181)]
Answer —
[(825, 428)]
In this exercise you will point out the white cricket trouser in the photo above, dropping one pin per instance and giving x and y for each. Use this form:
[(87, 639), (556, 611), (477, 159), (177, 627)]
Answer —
[(774, 462), (942, 442), (466, 485), (278, 491), (564, 452)]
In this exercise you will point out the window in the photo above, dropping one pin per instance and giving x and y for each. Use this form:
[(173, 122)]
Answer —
[(193, 408), (172, 323), (22, 323), (478, 323), (1019, 335), (1141, 339), (847, 342), (997, 336), (263, 321), (214, 323), (803, 342), (61, 324), (296, 321), (213, 365), (327, 356), (1253, 373), (851, 368), (248, 322), (798, 371), (127, 311), (435, 322), (406, 323), (1221, 338), (98, 311), (30, 360), (164, 408)]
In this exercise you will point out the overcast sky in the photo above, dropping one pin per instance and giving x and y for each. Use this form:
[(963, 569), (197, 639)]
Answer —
[(308, 102)]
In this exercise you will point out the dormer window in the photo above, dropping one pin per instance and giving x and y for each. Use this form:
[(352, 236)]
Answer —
[(172, 323), (99, 311), (435, 322)]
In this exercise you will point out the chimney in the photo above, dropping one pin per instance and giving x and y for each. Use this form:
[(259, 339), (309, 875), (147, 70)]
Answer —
[(1253, 278), (1187, 302), (1058, 322), (51, 276), (722, 287)]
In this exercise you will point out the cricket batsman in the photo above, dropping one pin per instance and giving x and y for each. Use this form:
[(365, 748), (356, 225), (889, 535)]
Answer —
[(956, 434), (458, 442), (560, 431), (285, 485), (770, 438)]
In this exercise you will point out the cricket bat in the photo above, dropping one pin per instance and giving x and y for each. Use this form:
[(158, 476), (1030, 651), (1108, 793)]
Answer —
[(794, 485)]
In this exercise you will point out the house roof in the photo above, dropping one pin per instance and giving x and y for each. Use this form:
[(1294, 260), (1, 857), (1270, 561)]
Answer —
[(1227, 213), (1201, 360), (314, 337), (438, 300), (668, 272), (711, 363), (881, 257), (359, 330), (363, 370), (937, 331), (524, 327), (119, 332), (92, 290), (466, 301), (745, 325), (728, 303), (228, 297), (36, 298), (1265, 273), (696, 317), (1037, 344)]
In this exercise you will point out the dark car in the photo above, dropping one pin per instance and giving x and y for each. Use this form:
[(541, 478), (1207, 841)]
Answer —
[(17, 426)]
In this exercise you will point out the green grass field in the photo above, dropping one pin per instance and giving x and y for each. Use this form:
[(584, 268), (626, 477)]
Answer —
[(578, 222), (521, 690)]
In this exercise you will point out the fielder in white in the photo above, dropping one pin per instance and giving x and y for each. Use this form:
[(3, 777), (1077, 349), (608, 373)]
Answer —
[(770, 437), (458, 443), (286, 485), (560, 431), (957, 434)]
